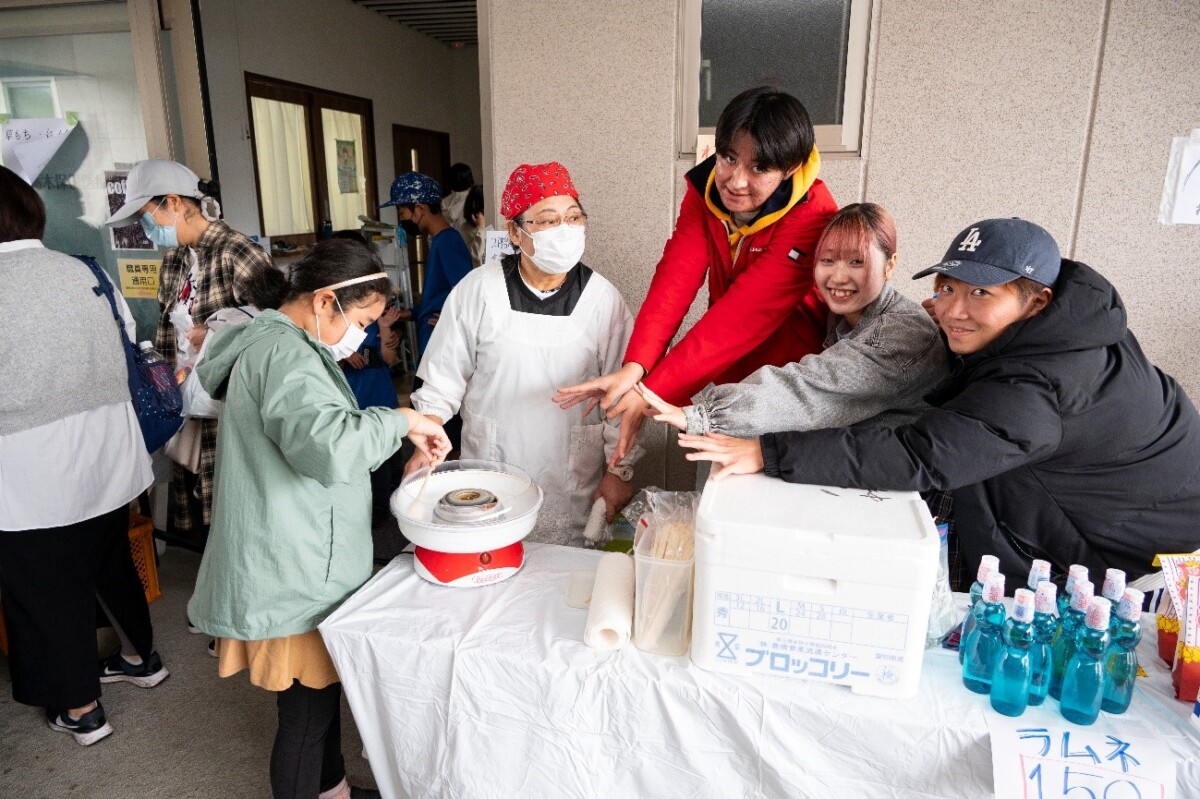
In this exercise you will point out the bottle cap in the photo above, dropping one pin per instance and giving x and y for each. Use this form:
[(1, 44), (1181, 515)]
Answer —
[(1097, 613), (987, 565), (1038, 572), (1046, 598), (1114, 585), (1076, 572), (1130, 608), (1081, 597), (1023, 600), (145, 345), (993, 588)]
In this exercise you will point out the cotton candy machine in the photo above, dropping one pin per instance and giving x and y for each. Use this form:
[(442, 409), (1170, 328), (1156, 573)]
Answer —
[(467, 519)]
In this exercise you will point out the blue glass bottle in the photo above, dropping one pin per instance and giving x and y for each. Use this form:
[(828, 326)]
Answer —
[(1121, 660), (988, 564), (1074, 574), (983, 645), (1010, 677), (1039, 572), (1083, 678), (1045, 628), (1064, 645)]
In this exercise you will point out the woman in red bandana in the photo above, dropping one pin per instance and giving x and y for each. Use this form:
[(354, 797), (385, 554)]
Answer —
[(513, 330), (751, 216)]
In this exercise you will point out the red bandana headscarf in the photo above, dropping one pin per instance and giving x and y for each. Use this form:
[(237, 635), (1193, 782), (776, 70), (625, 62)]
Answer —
[(531, 183)]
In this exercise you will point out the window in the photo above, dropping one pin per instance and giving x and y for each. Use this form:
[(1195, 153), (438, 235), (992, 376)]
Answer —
[(314, 158), (813, 49), (29, 98)]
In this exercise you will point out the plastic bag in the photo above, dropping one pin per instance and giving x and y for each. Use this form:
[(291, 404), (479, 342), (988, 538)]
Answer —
[(664, 565)]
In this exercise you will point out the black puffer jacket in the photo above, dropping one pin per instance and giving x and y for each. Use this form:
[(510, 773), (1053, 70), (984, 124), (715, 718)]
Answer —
[(1060, 440)]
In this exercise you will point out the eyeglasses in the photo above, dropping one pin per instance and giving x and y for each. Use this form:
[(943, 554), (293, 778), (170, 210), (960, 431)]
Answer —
[(574, 218)]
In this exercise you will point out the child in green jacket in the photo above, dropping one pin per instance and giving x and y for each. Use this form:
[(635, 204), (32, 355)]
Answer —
[(291, 528)]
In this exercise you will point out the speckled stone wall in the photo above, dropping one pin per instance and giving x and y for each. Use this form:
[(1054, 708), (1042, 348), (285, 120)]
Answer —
[(1149, 91), (591, 85)]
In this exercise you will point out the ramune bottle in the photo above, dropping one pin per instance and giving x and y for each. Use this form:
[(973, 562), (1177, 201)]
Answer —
[(1039, 572), (1076, 572), (1083, 678), (988, 564), (1121, 660), (1064, 645), (1010, 677), (982, 647), (1045, 627), (1113, 590)]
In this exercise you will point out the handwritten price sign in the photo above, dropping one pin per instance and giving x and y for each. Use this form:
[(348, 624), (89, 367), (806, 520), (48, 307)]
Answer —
[(1033, 762)]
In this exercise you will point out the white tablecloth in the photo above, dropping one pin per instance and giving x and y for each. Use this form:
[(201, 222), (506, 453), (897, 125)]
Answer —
[(490, 692)]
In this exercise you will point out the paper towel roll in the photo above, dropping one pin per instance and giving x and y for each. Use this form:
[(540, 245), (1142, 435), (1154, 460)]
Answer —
[(610, 617)]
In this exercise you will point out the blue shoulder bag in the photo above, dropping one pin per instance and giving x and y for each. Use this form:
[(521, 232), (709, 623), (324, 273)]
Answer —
[(152, 387)]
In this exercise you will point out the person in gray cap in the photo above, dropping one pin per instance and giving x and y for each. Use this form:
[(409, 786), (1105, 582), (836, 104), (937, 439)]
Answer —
[(1055, 434), (204, 270)]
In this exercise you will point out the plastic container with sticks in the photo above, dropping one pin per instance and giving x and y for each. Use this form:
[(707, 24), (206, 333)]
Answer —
[(664, 573)]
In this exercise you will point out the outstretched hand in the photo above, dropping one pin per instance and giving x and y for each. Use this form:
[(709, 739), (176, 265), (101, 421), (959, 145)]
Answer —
[(606, 390), (661, 410), (728, 454)]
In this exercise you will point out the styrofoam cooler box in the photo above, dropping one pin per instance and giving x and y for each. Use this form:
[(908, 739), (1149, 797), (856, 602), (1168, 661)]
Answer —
[(814, 583)]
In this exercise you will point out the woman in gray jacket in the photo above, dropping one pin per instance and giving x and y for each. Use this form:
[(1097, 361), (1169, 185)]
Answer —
[(882, 352)]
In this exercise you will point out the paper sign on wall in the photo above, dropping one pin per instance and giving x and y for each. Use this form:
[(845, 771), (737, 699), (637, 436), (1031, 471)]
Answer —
[(496, 246), (1181, 191), (139, 278), (27, 145), (1031, 761), (706, 145)]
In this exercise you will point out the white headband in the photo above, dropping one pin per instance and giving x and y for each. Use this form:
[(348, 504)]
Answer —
[(355, 280)]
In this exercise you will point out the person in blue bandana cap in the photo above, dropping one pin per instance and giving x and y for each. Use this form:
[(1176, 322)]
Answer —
[(417, 199)]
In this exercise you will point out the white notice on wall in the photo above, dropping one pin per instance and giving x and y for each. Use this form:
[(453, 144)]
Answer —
[(1181, 191), (496, 246), (29, 144), (1050, 762)]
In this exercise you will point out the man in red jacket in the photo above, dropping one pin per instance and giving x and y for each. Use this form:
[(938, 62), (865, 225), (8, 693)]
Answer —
[(751, 216)]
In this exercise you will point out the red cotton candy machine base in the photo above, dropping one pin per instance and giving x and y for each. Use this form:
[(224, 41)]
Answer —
[(469, 569)]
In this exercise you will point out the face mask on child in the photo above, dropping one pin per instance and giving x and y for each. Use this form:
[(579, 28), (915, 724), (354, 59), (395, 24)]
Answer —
[(159, 235), (353, 338)]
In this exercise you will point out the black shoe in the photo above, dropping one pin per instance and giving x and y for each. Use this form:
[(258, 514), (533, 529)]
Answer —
[(87, 729), (147, 674)]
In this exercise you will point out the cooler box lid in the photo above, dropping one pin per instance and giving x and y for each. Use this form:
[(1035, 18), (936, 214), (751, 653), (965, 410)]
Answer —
[(764, 522)]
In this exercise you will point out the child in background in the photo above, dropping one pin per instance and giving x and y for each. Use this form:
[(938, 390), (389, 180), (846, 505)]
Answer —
[(291, 536)]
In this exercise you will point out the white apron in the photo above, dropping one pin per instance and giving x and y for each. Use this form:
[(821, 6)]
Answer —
[(512, 364)]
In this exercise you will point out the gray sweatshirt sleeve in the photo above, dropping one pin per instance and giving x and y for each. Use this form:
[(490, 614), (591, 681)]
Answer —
[(888, 362)]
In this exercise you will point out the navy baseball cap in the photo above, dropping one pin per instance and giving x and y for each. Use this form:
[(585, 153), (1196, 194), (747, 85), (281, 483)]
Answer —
[(412, 188), (997, 251)]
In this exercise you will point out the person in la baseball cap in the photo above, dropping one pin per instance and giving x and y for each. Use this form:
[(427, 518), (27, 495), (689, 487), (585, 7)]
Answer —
[(1055, 435), (1012, 262)]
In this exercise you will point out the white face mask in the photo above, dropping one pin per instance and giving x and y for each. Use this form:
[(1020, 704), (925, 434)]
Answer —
[(350, 341), (558, 249)]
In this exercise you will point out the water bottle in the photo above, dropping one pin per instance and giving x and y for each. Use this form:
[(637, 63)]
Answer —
[(1076, 572), (1064, 645), (1121, 660), (1039, 572), (1083, 678), (1045, 627), (982, 647), (988, 564), (1010, 678)]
